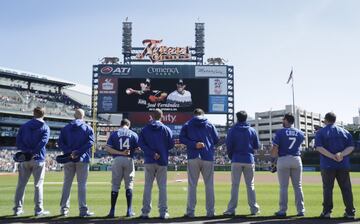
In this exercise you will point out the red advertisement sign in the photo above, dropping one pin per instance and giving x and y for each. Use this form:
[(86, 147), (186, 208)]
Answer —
[(108, 85), (139, 118)]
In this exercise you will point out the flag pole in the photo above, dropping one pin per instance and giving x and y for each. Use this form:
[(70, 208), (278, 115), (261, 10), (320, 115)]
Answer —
[(293, 93)]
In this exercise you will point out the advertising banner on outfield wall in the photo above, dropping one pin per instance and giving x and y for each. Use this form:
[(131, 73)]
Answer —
[(170, 95), (140, 118), (174, 128)]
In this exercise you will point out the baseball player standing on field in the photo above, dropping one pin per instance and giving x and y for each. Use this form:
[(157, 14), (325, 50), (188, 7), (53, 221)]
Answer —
[(335, 144), (76, 138), (32, 137), (241, 142), (155, 140), (200, 138), (122, 145), (286, 146)]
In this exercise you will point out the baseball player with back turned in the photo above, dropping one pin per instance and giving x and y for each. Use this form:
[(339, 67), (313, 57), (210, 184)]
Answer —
[(200, 138), (122, 145), (286, 146), (76, 138), (32, 137), (335, 145), (155, 140), (241, 141)]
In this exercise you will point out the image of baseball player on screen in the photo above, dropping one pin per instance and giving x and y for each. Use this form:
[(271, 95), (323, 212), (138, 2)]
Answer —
[(180, 95), (148, 95)]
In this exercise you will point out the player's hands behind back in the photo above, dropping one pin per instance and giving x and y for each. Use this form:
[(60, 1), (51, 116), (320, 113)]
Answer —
[(200, 145)]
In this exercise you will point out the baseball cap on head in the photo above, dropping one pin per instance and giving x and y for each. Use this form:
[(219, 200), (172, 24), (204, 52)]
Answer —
[(147, 82), (23, 156), (180, 82)]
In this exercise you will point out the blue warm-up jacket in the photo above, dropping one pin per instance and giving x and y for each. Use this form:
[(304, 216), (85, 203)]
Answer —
[(199, 129), (33, 137), (156, 138), (241, 141), (77, 137)]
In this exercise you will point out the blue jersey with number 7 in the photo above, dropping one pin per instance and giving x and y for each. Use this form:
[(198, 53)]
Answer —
[(123, 139), (288, 141)]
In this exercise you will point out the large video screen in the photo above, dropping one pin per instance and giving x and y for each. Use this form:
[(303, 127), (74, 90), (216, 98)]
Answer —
[(172, 95), (172, 88)]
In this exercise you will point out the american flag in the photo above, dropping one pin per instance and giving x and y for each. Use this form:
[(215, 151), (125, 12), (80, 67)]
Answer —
[(290, 76)]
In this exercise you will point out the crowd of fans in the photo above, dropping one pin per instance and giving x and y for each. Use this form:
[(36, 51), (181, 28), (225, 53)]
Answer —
[(18, 99), (7, 163), (177, 157)]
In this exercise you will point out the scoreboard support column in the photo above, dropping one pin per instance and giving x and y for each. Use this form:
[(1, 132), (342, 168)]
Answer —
[(230, 94)]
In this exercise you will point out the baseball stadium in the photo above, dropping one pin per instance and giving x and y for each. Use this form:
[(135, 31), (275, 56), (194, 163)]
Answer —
[(157, 87)]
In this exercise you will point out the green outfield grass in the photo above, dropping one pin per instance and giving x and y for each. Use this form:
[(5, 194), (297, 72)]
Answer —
[(98, 196)]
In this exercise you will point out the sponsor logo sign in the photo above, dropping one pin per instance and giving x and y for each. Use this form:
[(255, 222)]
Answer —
[(210, 71), (139, 118), (108, 85)]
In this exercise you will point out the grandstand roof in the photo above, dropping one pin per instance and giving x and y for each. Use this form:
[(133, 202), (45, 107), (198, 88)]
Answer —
[(29, 76)]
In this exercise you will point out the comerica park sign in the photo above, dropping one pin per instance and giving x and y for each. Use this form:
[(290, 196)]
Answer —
[(156, 52)]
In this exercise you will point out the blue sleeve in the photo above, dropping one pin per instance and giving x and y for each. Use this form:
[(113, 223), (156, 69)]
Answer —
[(215, 135), (302, 136), (62, 141), (19, 142), (110, 140), (349, 140), (145, 147), (171, 143), (135, 140), (229, 144), (318, 140), (184, 137), (43, 141), (88, 144), (255, 140), (276, 140)]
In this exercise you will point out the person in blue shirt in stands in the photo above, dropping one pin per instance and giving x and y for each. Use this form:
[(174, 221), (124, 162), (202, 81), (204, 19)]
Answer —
[(335, 145), (286, 146), (241, 142)]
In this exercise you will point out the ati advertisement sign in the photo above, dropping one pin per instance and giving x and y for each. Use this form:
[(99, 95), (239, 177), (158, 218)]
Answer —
[(139, 118), (149, 71), (170, 95)]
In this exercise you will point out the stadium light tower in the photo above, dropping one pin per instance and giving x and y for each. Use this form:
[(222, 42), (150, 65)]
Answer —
[(199, 42), (126, 42)]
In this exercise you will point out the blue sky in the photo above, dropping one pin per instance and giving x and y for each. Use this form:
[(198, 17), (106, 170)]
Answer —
[(263, 39)]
